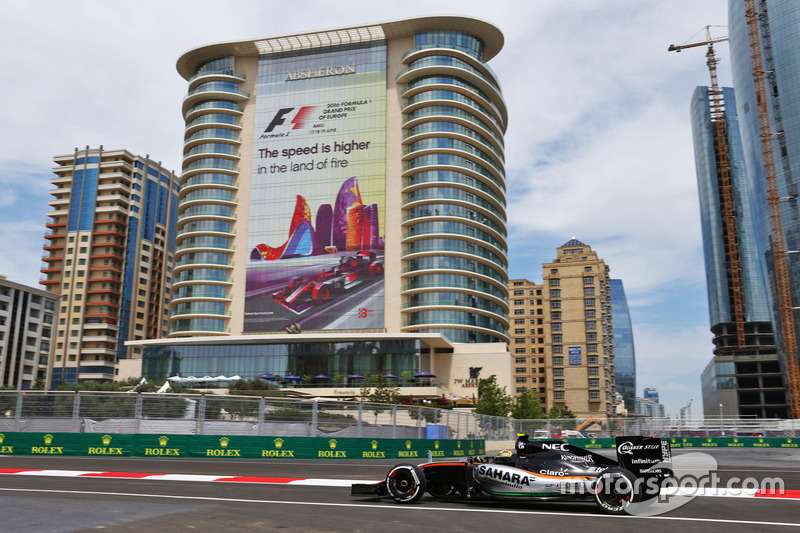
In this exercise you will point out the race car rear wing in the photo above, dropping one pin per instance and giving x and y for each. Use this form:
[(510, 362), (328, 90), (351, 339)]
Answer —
[(640, 455)]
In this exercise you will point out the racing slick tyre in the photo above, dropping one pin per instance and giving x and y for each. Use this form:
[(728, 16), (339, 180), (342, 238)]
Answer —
[(321, 292), (406, 483), (442, 490), (375, 269), (294, 283), (615, 489)]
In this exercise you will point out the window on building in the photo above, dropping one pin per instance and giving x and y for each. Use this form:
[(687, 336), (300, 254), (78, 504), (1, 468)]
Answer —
[(519, 350), (591, 336), (588, 291), (519, 311), (519, 293), (520, 341), (520, 379), (588, 280), (519, 321), (558, 348), (594, 371), (555, 326), (519, 370), (555, 315), (555, 304), (587, 269), (555, 282), (558, 383), (557, 337), (591, 324), (558, 360), (589, 302), (553, 271), (558, 395), (558, 372), (594, 394), (591, 347), (590, 313)]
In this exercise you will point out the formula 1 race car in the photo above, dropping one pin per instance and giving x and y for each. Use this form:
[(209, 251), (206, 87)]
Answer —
[(546, 470), (301, 294)]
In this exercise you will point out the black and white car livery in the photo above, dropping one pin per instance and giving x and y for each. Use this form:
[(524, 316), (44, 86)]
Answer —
[(537, 470)]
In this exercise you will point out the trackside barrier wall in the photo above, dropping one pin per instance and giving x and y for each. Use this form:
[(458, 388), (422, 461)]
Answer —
[(234, 446), (227, 415), (216, 414)]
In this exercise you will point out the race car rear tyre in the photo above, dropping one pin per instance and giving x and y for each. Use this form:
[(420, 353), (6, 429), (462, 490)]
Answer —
[(615, 489), (406, 483), (442, 490), (375, 269)]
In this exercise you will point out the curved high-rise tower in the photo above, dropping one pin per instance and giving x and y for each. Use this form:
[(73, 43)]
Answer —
[(454, 219), (345, 180)]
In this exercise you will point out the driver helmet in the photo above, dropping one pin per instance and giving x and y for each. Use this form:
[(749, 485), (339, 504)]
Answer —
[(505, 453)]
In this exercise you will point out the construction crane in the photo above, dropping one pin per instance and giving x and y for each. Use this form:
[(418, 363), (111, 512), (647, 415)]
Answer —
[(777, 238), (717, 105)]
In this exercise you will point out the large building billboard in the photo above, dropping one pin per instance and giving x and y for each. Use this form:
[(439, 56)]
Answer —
[(316, 225)]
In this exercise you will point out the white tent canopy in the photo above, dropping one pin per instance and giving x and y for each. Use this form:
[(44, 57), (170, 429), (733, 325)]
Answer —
[(204, 379)]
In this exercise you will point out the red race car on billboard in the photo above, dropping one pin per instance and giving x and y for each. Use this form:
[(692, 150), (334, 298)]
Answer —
[(302, 294)]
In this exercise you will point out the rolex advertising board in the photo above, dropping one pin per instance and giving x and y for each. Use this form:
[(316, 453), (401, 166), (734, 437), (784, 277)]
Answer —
[(316, 229)]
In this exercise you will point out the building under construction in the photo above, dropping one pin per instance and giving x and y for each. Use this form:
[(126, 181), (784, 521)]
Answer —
[(765, 60), (744, 376)]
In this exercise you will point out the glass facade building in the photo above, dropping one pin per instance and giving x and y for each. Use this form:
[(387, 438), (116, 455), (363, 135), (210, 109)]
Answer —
[(778, 30), (756, 358), (624, 351), (329, 360)]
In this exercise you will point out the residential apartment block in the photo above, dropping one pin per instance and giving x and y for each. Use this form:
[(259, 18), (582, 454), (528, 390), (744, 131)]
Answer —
[(561, 331), (111, 232), (27, 316)]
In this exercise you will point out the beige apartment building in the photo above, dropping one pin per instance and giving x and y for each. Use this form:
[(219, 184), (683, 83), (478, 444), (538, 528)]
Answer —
[(561, 333)]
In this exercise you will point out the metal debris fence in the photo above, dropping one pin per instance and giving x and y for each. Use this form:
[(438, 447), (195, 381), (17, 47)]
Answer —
[(212, 414)]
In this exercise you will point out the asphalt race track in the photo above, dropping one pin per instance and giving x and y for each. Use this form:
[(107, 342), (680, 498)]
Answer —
[(79, 494)]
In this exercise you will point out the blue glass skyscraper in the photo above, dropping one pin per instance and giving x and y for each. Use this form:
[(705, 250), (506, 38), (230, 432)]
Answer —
[(778, 46), (624, 352), (757, 389)]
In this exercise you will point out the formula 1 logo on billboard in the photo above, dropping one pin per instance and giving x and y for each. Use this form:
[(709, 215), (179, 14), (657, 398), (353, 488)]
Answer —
[(288, 119)]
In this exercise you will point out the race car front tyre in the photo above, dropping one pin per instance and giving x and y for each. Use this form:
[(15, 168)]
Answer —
[(321, 292), (615, 489), (406, 483)]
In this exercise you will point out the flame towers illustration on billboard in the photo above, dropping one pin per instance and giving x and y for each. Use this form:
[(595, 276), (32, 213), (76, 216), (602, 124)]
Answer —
[(349, 226)]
